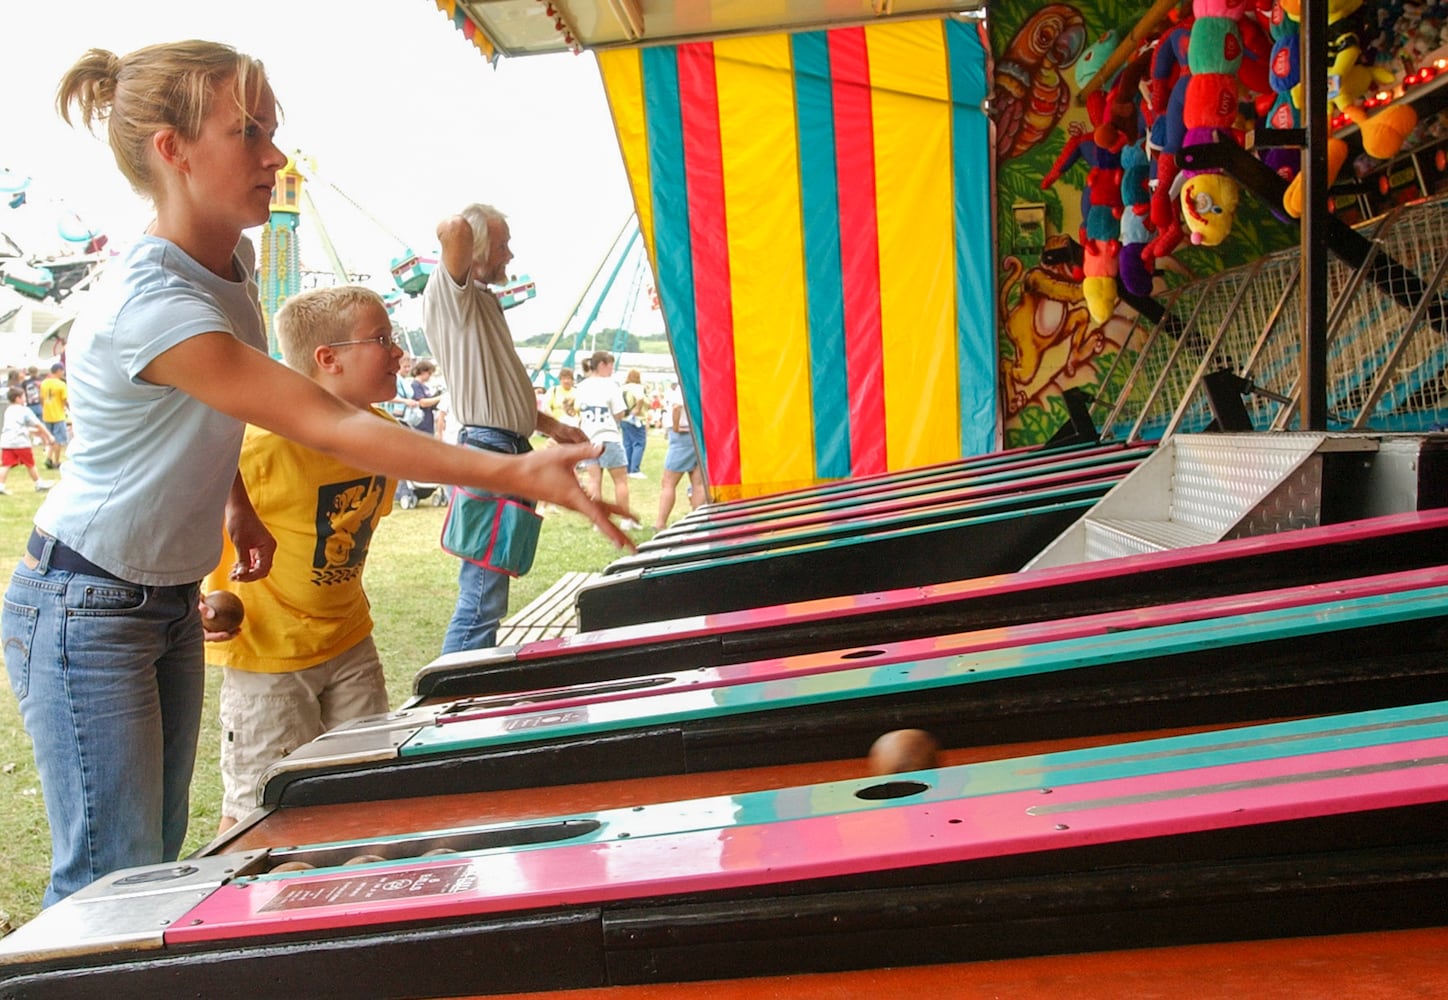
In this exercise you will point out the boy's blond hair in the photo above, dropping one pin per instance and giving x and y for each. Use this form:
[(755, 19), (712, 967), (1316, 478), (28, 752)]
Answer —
[(319, 316)]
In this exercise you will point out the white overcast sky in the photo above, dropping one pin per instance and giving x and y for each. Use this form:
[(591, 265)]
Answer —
[(399, 112)]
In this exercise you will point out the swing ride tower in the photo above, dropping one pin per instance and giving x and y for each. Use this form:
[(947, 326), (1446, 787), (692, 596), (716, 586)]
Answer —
[(279, 270)]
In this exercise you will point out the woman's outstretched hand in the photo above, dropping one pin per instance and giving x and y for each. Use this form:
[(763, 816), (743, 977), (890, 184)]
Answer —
[(551, 478)]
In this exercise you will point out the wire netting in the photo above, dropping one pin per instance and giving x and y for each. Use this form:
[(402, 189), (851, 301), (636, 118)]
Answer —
[(1387, 342)]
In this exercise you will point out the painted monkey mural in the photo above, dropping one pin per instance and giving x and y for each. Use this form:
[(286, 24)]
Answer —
[(1046, 310)]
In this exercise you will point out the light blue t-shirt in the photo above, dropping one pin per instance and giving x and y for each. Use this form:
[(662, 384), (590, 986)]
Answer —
[(143, 491)]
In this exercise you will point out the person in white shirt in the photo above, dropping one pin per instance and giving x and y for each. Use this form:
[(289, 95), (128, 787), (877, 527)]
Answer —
[(17, 439), (447, 428), (680, 460), (492, 397), (601, 408)]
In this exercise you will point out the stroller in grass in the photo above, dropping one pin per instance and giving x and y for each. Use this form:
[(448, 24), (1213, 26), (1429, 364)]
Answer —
[(409, 494)]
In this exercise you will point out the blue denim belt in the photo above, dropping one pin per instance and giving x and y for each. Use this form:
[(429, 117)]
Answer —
[(64, 558)]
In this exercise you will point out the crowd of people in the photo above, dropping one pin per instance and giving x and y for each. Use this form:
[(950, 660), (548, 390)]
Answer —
[(616, 414), (276, 474), (624, 414)]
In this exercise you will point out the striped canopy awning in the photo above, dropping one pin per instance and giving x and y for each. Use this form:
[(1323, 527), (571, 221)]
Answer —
[(817, 208), (531, 27)]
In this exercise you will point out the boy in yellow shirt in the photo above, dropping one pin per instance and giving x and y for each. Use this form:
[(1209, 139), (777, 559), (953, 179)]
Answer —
[(304, 660), (54, 413)]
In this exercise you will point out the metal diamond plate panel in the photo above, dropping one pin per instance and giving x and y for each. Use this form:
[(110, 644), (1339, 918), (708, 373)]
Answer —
[(1218, 480)]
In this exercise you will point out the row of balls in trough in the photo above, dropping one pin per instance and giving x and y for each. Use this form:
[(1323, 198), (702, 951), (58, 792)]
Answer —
[(360, 859)]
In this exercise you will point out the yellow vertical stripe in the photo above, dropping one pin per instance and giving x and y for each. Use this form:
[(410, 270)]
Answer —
[(911, 107), (766, 258), (623, 84)]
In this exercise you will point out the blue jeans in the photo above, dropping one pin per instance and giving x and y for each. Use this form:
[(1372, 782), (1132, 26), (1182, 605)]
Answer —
[(482, 593), (110, 678), (635, 437)]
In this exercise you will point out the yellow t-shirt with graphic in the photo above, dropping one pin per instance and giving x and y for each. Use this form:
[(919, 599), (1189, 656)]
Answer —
[(322, 513)]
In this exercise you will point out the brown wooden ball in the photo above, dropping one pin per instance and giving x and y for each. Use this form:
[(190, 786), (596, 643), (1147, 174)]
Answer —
[(226, 609), (903, 750), (293, 866), (364, 859)]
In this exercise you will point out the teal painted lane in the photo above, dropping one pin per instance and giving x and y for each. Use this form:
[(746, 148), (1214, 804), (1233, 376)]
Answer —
[(1248, 745), (981, 520), (921, 675)]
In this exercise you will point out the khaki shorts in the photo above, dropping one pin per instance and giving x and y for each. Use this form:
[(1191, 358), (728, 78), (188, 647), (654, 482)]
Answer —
[(266, 716)]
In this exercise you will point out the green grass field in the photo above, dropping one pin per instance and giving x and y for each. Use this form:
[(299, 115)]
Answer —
[(412, 585)]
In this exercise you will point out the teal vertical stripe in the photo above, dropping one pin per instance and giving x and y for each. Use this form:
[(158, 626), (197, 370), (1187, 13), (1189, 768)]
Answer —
[(824, 291), (669, 195), (975, 303)]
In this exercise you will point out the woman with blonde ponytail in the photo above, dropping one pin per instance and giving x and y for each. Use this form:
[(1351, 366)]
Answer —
[(102, 623)]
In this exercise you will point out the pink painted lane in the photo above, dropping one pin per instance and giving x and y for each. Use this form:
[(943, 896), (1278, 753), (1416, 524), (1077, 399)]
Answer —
[(908, 835), (807, 664), (869, 492), (862, 515), (1025, 582), (1021, 460)]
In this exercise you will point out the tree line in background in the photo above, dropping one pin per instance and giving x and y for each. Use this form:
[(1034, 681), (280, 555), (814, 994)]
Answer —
[(415, 343)]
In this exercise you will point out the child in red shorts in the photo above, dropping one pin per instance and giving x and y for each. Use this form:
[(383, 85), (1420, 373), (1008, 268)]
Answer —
[(17, 439)]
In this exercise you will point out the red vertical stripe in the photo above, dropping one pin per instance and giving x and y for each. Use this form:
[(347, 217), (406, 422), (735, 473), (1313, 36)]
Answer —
[(859, 248), (709, 244)]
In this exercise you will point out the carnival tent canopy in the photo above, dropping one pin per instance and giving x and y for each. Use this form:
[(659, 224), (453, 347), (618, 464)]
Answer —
[(813, 183), (530, 27), (816, 205)]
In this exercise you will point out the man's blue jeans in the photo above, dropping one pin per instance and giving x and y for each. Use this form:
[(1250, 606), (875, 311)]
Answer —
[(482, 594), (635, 439), (110, 678)]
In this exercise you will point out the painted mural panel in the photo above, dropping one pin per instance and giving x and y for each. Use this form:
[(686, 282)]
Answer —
[(1089, 191)]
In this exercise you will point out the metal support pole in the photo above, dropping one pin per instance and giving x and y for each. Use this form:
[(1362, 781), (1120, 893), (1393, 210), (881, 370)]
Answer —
[(1314, 229)]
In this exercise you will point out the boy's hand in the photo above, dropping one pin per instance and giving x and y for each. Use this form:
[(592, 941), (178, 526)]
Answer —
[(255, 548), (254, 561), (207, 614)]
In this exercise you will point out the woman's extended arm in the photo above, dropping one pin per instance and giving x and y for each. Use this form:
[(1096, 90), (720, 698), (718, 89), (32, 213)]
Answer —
[(244, 383)]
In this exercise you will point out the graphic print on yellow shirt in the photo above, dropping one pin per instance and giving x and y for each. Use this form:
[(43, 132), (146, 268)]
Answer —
[(346, 513)]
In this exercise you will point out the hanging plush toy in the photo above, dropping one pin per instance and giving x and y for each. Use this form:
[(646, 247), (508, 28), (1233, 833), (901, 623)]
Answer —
[(1100, 208), (1349, 79), (1136, 264), (1167, 92), (1283, 79), (1203, 69), (1214, 58)]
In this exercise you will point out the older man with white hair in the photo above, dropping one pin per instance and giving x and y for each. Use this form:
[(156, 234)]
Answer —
[(492, 400)]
